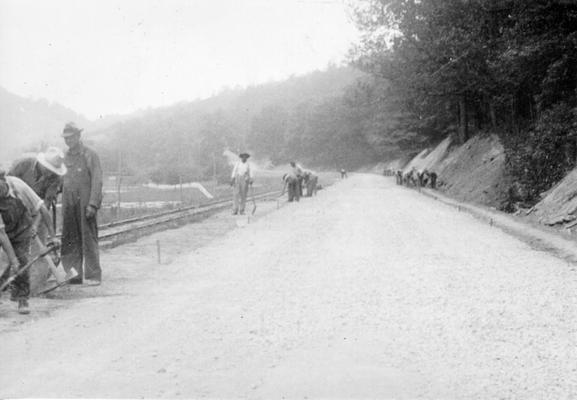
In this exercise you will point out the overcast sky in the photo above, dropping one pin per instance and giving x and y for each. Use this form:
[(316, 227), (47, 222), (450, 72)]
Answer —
[(116, 56)]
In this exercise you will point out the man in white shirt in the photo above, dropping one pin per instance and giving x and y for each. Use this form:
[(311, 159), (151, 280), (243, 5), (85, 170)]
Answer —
[(241, 179)]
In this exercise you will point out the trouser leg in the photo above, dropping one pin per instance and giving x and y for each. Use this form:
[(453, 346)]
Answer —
[(21, 285), (243, 191), (291, 190), (235, 198), (72, 248), (91, 250)]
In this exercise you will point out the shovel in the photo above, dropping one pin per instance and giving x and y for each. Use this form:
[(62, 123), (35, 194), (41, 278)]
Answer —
[(27, 266), (253, 200), (55, 265)]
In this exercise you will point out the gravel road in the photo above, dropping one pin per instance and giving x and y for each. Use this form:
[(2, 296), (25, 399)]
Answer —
[(369, 290)]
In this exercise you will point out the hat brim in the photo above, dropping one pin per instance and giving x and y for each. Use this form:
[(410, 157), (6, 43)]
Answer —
[(41, 158), (244, 155), (71, 133)]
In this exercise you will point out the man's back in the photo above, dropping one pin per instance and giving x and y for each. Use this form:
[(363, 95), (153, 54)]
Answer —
[(46, 185)]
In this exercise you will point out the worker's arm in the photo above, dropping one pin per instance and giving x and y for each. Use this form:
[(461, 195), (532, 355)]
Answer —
[(7, 246), (95, 183), (250, 175), (43, 216), (233, 175), (52, 191)]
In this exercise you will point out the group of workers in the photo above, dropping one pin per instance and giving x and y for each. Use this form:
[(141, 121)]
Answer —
[(414, 177), (297, 178), (27, 191), (294, 181)]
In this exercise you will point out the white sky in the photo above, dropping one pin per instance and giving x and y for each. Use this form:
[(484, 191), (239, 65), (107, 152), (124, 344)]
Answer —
[(115, 56)]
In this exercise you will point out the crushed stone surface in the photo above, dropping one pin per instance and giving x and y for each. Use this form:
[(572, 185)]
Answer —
[(368, 290)]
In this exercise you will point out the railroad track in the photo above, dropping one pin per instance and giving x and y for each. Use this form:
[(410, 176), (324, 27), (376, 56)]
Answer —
[(114, 232)]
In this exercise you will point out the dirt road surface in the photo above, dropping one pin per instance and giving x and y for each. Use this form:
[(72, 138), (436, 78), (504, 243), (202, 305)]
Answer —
[(368, 290)]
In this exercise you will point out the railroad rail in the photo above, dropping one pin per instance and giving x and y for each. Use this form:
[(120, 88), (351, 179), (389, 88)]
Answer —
[(114, 233)]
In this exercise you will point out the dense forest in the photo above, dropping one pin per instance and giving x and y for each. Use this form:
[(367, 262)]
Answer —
[(464, 67)]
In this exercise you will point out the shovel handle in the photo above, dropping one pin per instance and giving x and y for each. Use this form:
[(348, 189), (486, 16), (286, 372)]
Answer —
[(25, 267)]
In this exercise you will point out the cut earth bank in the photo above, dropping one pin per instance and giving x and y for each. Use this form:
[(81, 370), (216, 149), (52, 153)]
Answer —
[(475, 173)]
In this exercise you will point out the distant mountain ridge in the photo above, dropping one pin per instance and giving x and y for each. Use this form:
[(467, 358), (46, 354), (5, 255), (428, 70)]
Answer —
[(312, 87), (188, 138), (186, 135), (25, 123)]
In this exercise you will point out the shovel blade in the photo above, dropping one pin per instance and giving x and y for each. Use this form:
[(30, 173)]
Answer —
[(59, 273)]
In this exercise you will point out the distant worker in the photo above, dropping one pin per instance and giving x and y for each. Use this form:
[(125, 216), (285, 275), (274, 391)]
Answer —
[(43, 174), (433, 176), (310, 180), (298, 171), (399, 177), (81, 199), (241, 179), (21, 211), (343, 173), (291, 183)]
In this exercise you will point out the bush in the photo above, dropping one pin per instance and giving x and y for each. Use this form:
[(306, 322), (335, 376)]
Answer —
[(539, 158)]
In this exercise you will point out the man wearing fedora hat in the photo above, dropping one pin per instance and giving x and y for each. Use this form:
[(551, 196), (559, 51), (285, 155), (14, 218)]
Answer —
[(241, 179), (81, 199)]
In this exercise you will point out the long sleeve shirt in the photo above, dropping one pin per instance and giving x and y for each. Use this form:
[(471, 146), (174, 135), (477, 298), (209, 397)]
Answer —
[(20, 190), (297, 170), (242, 169)]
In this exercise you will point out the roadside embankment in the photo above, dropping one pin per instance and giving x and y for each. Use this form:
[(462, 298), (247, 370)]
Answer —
[(475, 173)]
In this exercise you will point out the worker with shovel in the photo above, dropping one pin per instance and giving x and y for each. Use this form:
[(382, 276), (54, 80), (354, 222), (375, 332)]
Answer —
[(241, 179), (21, 211), (43, 174)]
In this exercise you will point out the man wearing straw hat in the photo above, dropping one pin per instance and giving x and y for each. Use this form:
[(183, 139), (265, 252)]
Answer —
[(43, 174), (241, 179), (81, 199)]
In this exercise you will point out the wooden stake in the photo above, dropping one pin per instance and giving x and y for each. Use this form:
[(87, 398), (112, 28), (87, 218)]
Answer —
[(158, 251)]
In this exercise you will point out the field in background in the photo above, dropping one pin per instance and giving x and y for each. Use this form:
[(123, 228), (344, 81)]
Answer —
[(140, 200)]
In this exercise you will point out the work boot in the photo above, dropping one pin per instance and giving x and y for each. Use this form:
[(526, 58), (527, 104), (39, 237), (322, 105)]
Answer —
[(23, 307)]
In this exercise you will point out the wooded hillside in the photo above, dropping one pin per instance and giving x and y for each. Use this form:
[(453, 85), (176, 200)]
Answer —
[(321, 119), (462, 67)]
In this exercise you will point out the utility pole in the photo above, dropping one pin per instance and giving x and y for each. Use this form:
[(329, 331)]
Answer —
[(214, 169), (180, 175), (118, 183)]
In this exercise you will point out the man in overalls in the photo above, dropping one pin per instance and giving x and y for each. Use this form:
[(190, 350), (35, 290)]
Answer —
[(241, 179), (81, 199)]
